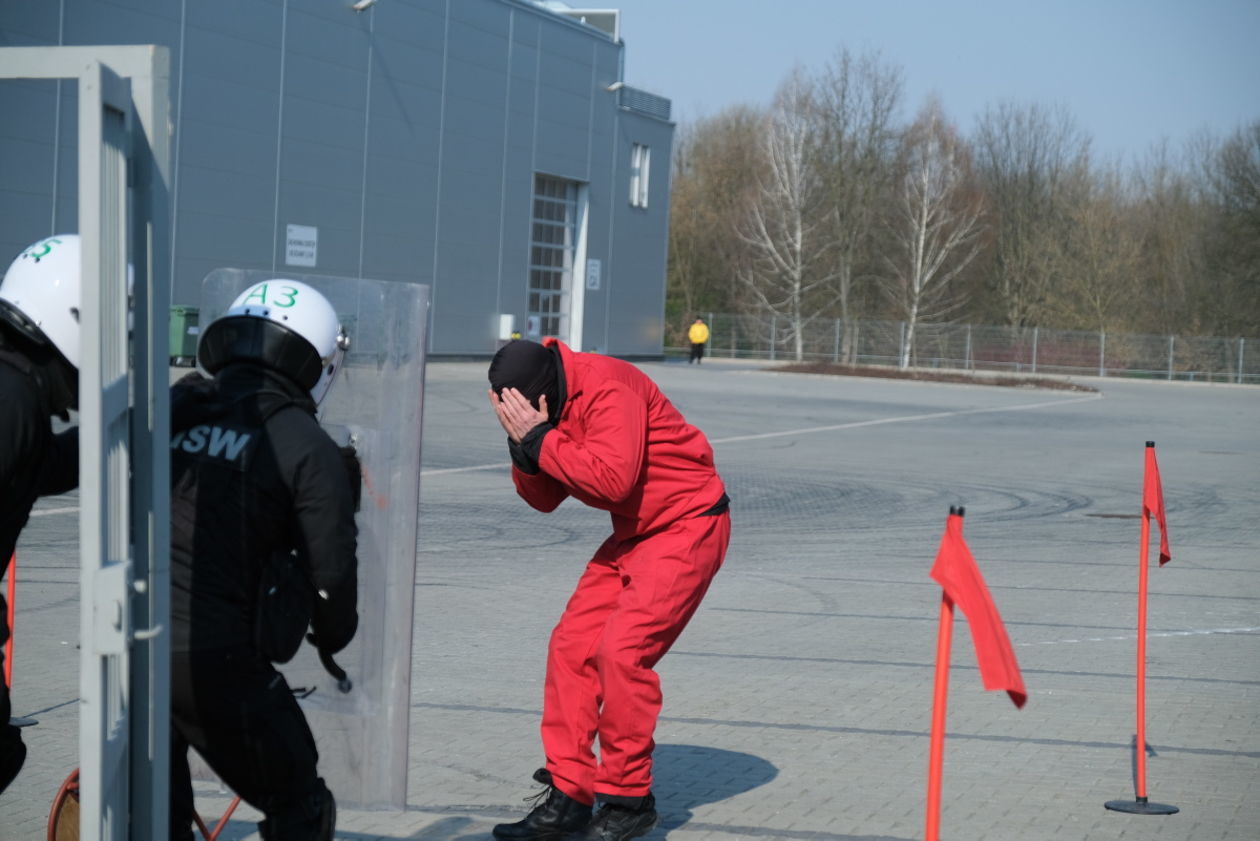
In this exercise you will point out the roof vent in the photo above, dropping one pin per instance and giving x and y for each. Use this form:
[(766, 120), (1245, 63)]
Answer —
[(607, 21)]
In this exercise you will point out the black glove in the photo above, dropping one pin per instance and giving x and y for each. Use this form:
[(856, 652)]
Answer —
[(333, 621), (354, 472)]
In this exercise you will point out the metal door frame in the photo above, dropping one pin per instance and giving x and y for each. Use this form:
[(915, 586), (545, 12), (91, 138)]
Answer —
[(124, 520)]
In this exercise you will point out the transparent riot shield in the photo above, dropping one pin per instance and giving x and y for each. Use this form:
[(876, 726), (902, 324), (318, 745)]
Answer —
[(375, 404)]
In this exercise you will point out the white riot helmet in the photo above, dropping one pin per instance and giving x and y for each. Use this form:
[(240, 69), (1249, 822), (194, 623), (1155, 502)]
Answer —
[(39, 295), (282, 324)]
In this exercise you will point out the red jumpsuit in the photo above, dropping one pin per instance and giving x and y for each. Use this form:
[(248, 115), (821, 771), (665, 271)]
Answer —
[(621, 446)]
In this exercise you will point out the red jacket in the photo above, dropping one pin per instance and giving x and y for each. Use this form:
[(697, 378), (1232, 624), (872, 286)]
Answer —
[(621, 446)]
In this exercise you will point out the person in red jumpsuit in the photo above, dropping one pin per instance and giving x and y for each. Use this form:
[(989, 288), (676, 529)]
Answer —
[(599, 430)]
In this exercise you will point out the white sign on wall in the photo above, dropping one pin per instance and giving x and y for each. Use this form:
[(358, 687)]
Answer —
[(301, 245), (592, 274)]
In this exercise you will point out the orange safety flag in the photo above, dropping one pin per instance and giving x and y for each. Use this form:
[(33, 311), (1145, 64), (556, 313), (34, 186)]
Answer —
[(1153, 502), (956, 571)]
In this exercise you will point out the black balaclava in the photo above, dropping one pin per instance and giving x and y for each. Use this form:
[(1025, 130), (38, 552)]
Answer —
[(531, 369)]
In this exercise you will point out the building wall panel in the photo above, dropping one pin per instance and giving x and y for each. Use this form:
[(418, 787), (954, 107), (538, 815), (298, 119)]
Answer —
[(409, 135)]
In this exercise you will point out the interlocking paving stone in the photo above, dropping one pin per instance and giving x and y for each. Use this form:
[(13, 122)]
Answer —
[(797, 705)]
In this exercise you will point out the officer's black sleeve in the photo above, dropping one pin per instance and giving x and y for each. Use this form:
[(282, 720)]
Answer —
[(59, 469), (324, 507)]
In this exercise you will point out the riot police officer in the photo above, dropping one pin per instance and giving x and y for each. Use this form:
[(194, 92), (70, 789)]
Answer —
[(39, 380), (263, 543)]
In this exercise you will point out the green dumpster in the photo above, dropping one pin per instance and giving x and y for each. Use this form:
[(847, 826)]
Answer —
[(184, 333)]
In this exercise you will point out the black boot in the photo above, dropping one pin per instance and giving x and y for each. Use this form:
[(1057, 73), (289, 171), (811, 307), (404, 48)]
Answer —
[(616, 822), (312, 818), (551, 820)]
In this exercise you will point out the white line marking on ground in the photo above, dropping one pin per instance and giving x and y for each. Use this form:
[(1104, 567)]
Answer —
[(444, 470), (47, 512), (1196, 632), (500, 465), (904, 419), (811, 429)]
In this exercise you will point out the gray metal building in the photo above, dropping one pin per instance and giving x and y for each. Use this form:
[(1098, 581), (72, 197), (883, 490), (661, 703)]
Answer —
[(489, 148)]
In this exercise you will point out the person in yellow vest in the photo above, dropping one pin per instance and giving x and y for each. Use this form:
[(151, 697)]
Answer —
[(698, 334)]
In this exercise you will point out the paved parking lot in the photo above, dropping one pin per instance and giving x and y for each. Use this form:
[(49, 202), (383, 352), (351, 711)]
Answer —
[(797, 704)]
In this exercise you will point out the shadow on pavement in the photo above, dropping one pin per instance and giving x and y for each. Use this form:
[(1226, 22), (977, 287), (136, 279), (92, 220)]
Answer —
[(688, 776)]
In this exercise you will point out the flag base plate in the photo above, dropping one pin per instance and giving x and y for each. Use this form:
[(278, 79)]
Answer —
[(1141, 806)]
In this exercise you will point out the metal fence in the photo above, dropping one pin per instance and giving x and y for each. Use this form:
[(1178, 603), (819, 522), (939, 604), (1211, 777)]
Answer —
[(1023, 351)]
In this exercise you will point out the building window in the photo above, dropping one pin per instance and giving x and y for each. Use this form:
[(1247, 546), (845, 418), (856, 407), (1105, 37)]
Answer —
[(640, 166), (553, 241)]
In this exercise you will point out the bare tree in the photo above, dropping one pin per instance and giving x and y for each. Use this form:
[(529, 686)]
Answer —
[(788, 275), (1172, 221), (1100, 257), (935, 224), (1028, 159), (855, 100), (709, 194), (685, 275), (1234, 177)]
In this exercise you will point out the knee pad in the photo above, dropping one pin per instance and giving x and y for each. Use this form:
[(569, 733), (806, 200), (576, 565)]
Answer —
[(313, 818)]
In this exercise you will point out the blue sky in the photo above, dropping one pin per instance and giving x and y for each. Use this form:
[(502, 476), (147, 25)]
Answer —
[(1130, 72)]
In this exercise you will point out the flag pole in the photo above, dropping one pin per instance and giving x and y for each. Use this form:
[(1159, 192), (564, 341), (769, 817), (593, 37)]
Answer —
[(1139, 738), (1141, 805), (936, 750)]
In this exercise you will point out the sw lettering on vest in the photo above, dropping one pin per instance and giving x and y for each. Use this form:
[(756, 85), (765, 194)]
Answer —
[(216, 441)]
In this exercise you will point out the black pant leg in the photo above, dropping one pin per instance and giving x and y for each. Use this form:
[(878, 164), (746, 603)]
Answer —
[(238, 712), (12, 750)]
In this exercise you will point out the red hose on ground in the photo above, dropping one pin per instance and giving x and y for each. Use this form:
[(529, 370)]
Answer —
[(68, 788), (218, 827), (8, 620)]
